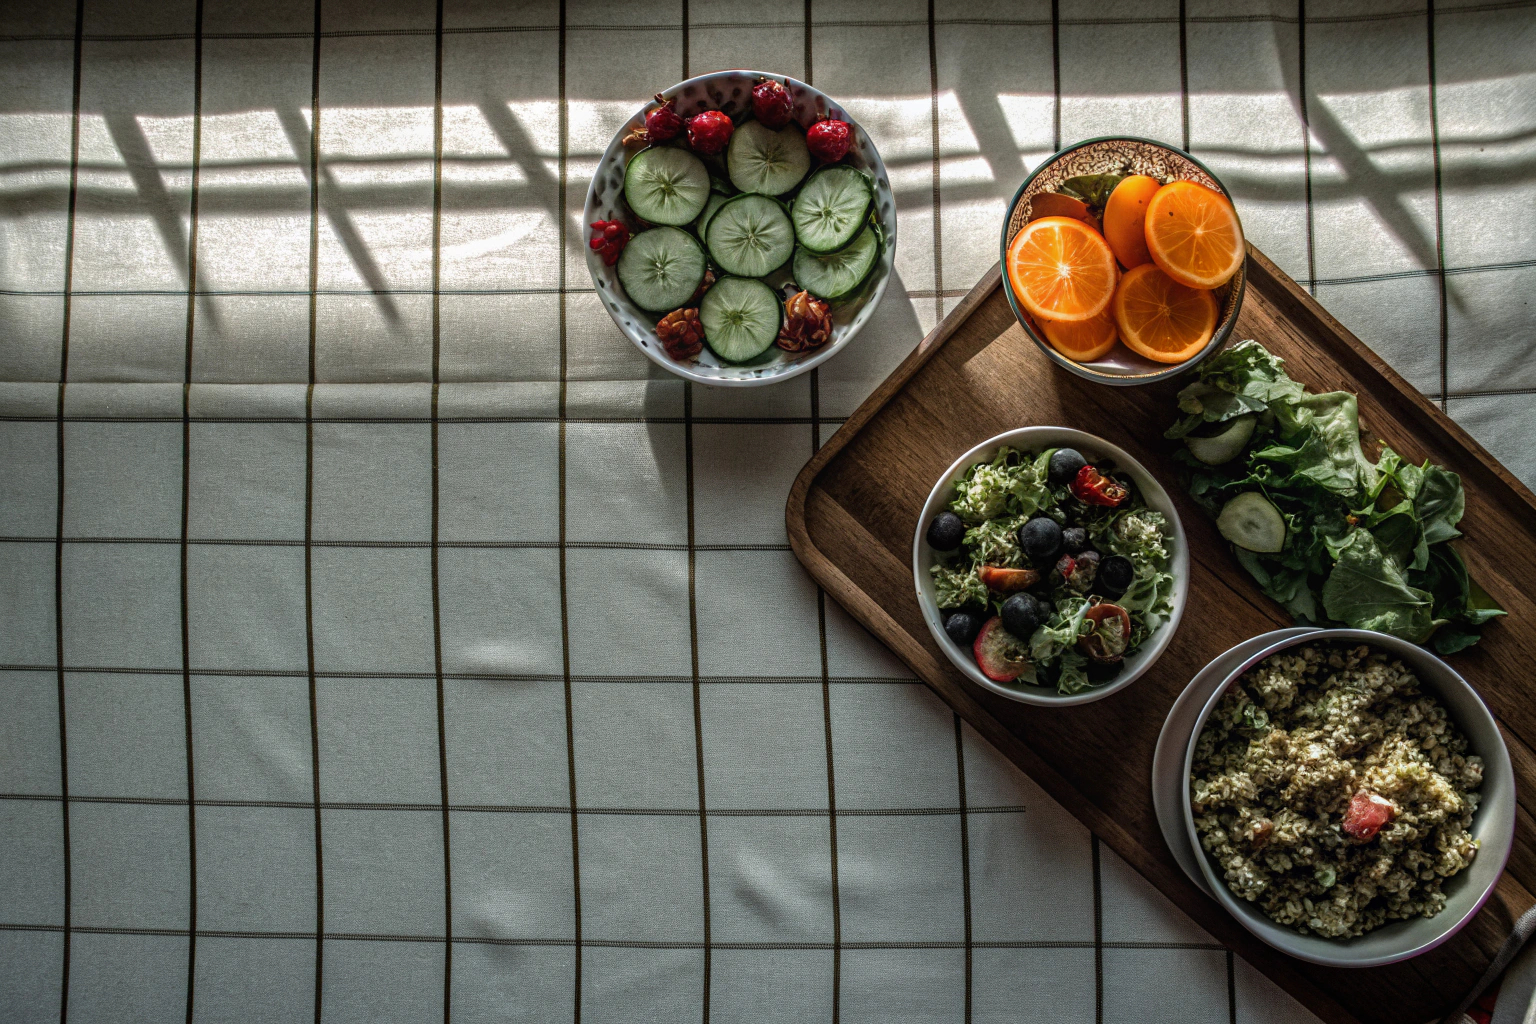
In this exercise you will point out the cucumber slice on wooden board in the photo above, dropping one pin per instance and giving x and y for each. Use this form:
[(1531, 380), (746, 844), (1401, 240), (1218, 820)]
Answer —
[(660, 269), (836, 274), (767, 161), (750, 236), (1225, 446), (1251, 521), (666, 185), (741, 318), (832, 207)]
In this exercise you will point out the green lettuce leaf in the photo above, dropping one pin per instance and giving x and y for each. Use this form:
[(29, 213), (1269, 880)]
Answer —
[(1061, 631), (1440, 504), (954, 588), (1367, 590), (1010, 483)]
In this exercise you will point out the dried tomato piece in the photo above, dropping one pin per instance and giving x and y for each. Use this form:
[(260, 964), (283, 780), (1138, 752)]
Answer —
[(1094, 488), (1366, 815)]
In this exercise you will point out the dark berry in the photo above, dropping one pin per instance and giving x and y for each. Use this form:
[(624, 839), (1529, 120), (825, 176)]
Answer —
[(1115, 575), (1074, 539), (1041, 540), (946, 532), (1023, 614), (1065, 462), (962, 627)]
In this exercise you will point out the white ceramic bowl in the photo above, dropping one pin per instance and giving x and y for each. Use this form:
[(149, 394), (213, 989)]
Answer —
[(731, 91), (1036, 439), (1493, 825)]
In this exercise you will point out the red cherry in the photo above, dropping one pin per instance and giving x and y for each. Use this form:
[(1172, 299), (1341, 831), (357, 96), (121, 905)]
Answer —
[(663, 123), (771, 103), (709, 131), (828, 140)]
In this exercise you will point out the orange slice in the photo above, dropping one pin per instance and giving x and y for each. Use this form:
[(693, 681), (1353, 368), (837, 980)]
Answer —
[(1083, 341), (1061, 269), (1162, 319), (1193, 233), (1125, 217)]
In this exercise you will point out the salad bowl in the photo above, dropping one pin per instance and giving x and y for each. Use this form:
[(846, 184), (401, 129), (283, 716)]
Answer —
[(731, 92), (1119, 155), (1038, 439)]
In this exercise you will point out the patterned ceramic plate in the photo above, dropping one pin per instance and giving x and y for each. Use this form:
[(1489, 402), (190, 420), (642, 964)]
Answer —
[(731, 91), (1119, 156)]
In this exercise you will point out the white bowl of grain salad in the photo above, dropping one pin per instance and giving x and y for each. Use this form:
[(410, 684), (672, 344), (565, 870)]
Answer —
[(1351, 800)]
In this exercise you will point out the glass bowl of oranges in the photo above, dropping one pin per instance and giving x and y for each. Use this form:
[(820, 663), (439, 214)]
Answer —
[(1124, 260)]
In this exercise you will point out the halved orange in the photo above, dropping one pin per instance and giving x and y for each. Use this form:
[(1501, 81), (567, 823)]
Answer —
[(1125, 217), (1061, 269), (1192, 232), (1083, 341), (1162, 319)]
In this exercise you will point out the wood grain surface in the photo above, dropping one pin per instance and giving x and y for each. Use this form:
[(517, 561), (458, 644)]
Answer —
[(853, 509)]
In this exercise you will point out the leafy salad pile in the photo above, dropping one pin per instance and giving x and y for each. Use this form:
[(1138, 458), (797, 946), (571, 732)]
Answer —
[(1337, 539), (996, 501)]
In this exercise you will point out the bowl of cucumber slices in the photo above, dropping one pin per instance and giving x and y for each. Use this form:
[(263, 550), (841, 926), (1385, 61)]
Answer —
[(741, 228)]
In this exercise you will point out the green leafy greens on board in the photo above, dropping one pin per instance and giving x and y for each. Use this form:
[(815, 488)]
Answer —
[(1367, 544)]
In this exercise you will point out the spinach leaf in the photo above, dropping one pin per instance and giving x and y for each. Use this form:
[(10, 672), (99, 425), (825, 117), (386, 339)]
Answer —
[(1440, 504), (1367, 590)]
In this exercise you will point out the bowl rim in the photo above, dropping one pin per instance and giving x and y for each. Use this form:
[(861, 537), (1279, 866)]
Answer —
[(1153, 493), (1294, 943), (795, 369), (1218, 339)]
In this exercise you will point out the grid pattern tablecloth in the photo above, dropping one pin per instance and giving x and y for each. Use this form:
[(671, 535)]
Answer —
[(433, 655)]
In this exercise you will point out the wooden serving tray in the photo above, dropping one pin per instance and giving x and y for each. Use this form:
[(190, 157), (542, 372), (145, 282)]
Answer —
[(853, 510)]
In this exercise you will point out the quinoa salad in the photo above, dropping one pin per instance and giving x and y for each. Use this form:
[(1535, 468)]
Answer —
[(1334, 793)]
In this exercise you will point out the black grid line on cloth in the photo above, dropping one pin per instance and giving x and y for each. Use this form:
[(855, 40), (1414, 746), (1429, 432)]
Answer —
[(674, 812), (472, 545), (309, 507), (609, 943), (1098, 933), (272, 673), (186, 500), (965, 857), (821, 637), (1184, 71), (493, 29), (1231, 988), (915, 293), (933, 117), (1434, 138), (58, 543), (693, 642), (437, 604), (1056, 75), (1306, 137), (563, 114), (676, 420)]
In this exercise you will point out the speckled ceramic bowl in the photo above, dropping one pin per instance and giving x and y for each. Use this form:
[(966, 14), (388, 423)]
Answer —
[(731, 91), (1493, 826), (1121, 155)]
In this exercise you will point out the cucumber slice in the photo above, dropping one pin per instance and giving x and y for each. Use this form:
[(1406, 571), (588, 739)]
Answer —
[(750, 236), (763, 160), (830, 210), (1225, 446), (716, 200), (660, 269), (666, 185), (1251, 521), (836, 274), (741, 318)]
